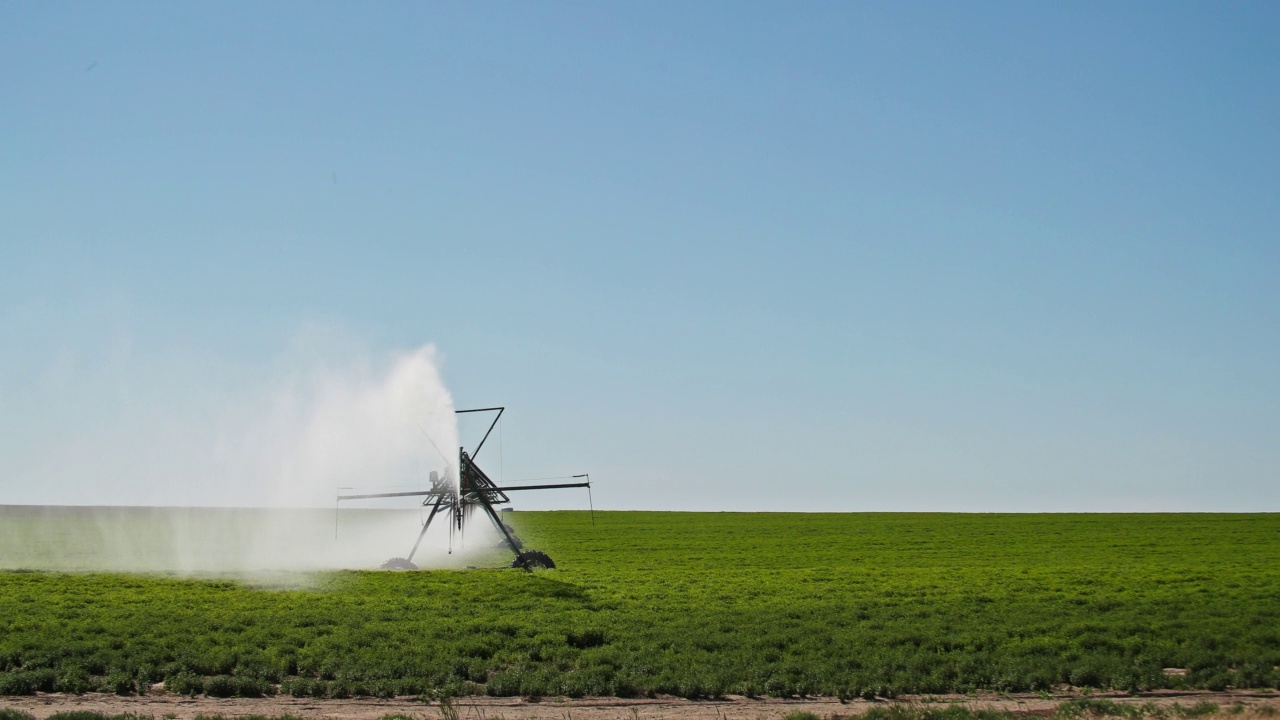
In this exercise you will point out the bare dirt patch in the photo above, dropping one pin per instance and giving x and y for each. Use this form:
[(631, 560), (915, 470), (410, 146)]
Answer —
[(168, 705)]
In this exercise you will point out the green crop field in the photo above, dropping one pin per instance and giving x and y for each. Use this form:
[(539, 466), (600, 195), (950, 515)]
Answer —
[(696, 605)]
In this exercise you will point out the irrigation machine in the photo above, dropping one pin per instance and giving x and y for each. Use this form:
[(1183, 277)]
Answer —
[(460, 498)]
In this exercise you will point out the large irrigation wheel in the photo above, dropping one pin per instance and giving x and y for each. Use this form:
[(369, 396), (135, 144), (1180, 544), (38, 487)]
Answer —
[(533, 560), (398, 563)]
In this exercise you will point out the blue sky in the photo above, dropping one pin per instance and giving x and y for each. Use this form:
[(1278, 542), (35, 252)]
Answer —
[(739, 256)]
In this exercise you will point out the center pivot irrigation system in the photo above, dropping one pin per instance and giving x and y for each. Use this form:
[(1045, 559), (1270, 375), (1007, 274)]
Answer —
[(460, 497)]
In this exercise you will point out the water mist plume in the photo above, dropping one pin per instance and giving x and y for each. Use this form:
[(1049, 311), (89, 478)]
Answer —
[(258, 473)]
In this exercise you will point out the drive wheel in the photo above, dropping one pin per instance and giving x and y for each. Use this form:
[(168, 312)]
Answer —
[(533, 560)]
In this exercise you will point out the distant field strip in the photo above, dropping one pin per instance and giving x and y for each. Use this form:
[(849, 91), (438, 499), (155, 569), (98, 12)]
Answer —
[(697, 605)]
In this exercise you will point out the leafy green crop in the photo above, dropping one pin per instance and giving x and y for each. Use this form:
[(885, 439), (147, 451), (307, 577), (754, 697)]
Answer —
[(697, 605)]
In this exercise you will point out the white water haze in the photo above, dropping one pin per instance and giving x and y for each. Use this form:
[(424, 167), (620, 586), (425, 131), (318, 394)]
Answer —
[(353, 429), (219, 478)]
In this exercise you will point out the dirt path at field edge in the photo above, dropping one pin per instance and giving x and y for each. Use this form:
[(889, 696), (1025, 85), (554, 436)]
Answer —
[(165, 705)]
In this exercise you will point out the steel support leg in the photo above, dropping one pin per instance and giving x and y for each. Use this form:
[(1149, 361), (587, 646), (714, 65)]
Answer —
[(425, 525), (497, 521)]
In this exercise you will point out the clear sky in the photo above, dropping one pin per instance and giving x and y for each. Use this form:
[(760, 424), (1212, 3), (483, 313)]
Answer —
[(798, 256)]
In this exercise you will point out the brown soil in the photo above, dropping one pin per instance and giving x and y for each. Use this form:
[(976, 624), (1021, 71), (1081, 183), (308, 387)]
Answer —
[(166, 705)]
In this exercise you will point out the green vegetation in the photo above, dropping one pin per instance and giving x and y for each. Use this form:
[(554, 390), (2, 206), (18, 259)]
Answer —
[(911, 711), (894, 711), (698, 605), (1101, 707)]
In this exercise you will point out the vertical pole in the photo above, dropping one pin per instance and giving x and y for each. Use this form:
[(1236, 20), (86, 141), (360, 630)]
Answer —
[(591, 503)]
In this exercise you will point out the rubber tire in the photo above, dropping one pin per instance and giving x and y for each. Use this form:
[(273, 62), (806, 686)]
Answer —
[(533, 560)]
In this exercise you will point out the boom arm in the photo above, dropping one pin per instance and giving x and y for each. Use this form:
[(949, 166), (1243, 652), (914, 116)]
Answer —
[(505, 488)]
